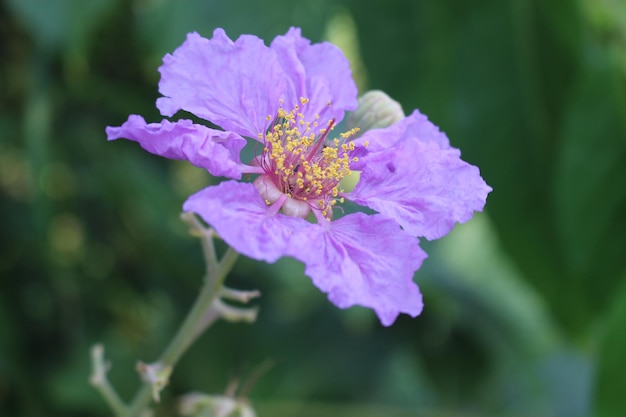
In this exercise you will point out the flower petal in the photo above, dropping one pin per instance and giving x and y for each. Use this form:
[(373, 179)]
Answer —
[(319, 72), (363, 260), (235, 85), (240, 216), (424, 187), (416, 125), (214, 150)]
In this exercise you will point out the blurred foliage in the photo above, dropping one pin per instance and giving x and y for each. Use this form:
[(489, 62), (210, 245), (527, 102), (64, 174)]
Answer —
[(525, 306), (609, 390)]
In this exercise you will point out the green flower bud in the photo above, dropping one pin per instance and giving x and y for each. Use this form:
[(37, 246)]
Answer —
[(376, 110)]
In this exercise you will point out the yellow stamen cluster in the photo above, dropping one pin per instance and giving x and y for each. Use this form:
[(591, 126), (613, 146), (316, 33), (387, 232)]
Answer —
[(302, 163)]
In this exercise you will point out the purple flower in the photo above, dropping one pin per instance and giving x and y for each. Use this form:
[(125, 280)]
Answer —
[(287, 99)]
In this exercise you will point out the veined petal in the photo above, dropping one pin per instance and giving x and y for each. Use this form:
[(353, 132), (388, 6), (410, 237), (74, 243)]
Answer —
[(214, 150), (319, 72), (414, 126), (240, 216), (363, 260), (235, 85), (425, 188)]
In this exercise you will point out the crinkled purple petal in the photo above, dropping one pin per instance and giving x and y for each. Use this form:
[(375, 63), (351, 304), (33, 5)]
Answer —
[(319, 72), (425, 188), (235, 85), (363, 260), (416, 125), (214, 150), (240, 216)]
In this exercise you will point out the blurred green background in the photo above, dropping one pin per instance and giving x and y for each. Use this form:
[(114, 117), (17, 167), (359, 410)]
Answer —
[(525, 305)]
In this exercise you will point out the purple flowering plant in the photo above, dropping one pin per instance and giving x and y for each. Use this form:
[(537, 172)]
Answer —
[(288, 98)]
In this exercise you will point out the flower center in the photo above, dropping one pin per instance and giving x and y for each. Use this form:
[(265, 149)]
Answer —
[(303, 164)]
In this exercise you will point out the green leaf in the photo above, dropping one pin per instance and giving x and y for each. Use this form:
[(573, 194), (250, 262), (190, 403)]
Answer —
[(610, 389), (589, 187)]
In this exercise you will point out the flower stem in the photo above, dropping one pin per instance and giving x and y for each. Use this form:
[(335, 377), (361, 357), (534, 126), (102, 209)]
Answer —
[(210, 291), (100, 381), (189, 331)]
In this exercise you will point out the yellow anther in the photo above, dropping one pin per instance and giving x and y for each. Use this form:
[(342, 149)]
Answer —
[(305, 164)]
